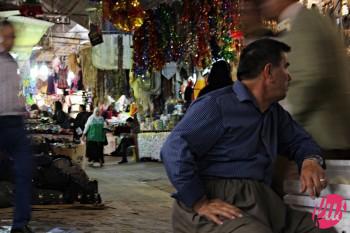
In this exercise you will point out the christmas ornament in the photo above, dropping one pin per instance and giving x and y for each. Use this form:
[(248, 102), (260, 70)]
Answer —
[(126, 15)]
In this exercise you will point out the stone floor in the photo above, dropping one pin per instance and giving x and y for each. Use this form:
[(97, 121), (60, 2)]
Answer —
[(136, 199)]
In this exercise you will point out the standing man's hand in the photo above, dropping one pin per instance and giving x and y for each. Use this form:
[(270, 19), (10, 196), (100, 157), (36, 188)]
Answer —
[(312, 178), (215, 210)]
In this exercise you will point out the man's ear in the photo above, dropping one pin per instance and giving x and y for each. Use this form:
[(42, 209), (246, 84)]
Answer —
[(267, 72)]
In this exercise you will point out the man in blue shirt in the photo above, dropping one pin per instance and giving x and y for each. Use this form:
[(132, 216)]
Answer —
[(220, 156)]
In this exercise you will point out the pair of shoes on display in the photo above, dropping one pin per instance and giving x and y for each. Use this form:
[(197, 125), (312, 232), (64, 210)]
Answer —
[(25, 229), (122, 161)]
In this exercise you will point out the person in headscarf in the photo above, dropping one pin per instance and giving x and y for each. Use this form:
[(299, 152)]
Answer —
[(219, 77), (94, 135)]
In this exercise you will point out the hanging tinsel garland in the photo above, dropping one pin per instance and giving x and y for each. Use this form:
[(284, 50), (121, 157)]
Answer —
[(140, 48), (125, 15), (203, 30)]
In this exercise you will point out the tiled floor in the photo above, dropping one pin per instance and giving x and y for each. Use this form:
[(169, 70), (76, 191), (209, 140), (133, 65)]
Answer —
[(136, 199)]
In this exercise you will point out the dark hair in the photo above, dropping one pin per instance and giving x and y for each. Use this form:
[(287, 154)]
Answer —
[(58, 106), (220, 74), (257, 54), (34, 107), (130, 120), (110, 107), (83, 106)]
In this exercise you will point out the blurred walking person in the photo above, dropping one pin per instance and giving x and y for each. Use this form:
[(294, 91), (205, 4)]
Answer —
[(13, 139), (319, 93)]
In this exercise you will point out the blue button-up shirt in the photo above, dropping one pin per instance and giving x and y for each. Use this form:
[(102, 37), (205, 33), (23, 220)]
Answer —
[(224, 134)]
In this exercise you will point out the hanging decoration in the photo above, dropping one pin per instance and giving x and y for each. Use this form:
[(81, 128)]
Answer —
[(229, 22), (31, 8), (141, 58), (192, 31), (202, 58), (126, 15)]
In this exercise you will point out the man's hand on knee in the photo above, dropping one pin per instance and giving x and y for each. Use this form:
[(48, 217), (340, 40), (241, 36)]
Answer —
[(215, 210), (312, 178)]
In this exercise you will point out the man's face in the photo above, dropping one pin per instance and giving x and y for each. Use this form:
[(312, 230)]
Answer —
[(280, 78), (7, 38), (271, 9)]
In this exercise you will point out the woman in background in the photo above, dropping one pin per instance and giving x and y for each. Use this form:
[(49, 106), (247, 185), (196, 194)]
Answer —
[(94, 135), (60, 117), (219, 77)]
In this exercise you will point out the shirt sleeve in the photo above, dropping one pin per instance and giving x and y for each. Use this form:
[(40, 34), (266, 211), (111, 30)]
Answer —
[(293, 140), (194, 135), (87, 125)]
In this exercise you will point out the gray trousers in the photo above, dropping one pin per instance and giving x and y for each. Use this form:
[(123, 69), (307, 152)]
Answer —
[(264, 211)]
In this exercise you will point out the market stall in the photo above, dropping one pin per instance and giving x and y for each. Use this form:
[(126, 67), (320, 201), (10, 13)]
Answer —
[(149, 144)]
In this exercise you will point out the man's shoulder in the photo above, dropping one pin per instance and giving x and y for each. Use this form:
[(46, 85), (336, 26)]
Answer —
[(221, 93), (222, 98), (7, 57), (312, 19), (6, 60)]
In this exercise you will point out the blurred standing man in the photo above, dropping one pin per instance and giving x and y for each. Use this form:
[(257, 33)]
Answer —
[(319, 94), (13, 138)]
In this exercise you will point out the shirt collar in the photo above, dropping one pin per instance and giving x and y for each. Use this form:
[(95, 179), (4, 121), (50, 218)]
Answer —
[(290, 12), (243, 94)]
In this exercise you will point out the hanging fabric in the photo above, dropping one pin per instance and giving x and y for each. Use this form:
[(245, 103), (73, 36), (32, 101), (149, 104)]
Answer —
[(105, 56), (169, 70), (89, 71), (51, 84), (62, 78), (120, 52)]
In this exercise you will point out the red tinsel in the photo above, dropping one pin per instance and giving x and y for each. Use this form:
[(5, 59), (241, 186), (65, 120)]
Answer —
[(106, 6), (203, 54), (186, 15), (31, 10), (238, 35), (156, 55)]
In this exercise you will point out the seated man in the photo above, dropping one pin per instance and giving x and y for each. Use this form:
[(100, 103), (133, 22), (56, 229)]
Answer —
[(220, 156), (127, 140)]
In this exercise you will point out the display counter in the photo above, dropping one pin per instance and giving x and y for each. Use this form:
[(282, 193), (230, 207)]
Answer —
[(52, 136), (76, 152), (149, 143)]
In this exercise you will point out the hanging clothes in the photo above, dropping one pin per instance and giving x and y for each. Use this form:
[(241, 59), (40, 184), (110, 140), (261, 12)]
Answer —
[(77, 83), (51, 84), (62, 78), (89, 72)]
